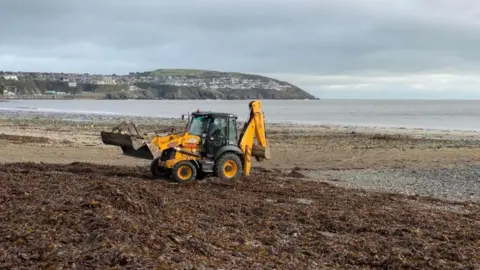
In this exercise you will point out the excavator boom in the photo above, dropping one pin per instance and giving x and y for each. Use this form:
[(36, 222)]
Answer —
[(254, 128)]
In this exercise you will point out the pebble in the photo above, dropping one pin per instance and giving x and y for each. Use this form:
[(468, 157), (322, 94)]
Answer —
[(460, 183)]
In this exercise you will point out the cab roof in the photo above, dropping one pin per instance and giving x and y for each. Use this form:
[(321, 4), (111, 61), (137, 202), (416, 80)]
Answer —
[(214, 114)]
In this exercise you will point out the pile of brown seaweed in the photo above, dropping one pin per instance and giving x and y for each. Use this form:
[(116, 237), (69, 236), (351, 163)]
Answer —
[(92, 216)]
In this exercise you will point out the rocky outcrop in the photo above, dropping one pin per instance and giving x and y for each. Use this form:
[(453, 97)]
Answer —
[(177, 92)]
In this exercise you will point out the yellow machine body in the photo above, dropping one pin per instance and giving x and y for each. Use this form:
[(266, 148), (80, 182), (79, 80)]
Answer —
[(211, 143)]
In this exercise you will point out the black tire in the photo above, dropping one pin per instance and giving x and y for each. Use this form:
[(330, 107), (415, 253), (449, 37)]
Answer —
[(158, 172), (228, 166), (184, 171)]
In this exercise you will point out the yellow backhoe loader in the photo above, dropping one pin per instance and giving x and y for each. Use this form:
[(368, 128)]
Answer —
[(211, 143)]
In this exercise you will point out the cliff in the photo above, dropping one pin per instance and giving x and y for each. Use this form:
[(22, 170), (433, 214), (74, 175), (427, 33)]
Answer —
[(158, 84)]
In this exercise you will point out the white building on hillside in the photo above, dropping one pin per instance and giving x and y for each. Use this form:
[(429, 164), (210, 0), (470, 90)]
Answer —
[(10, 77)]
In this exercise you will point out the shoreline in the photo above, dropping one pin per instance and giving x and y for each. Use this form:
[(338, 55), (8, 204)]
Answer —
[(425, 125), (113, 119)]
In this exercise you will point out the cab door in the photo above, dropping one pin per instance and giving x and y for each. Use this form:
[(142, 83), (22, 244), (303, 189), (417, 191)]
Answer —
[(217, 135)]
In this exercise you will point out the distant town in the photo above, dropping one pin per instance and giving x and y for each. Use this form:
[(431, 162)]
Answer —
[(130, 82)]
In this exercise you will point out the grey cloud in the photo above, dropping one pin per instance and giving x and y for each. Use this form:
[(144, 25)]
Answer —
[(302, 36)]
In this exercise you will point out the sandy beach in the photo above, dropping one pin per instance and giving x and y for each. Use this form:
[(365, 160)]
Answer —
[(330, 197)]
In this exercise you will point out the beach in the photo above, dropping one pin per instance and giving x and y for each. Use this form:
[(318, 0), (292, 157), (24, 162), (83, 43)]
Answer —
[(322, 151), (332, 196)]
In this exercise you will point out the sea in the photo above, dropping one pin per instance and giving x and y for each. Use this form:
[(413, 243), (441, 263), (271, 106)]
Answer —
[(422, 114)]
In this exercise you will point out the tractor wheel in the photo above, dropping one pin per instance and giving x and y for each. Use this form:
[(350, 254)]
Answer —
[(157, 171), (228, 166), (184, 171)]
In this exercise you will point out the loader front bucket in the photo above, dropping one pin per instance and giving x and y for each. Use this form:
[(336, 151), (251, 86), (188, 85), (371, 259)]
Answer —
[(131, 145)]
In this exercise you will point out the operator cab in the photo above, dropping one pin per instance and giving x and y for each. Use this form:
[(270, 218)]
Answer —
[(216, 130)]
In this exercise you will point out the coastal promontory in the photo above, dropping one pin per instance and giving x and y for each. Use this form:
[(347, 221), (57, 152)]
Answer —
[(157, 84)]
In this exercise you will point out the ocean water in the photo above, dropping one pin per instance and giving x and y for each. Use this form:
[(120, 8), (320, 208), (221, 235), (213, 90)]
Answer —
[(427, 114)]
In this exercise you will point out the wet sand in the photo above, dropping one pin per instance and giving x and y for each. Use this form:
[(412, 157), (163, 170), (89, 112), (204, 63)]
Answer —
[(331, 196)]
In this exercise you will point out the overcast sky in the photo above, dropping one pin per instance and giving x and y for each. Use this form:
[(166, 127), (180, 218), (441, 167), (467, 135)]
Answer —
[(330, 48)]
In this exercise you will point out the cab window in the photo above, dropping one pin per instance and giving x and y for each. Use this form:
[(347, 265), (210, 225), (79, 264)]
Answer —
[(198, 125), (219, 127), (232, 135)]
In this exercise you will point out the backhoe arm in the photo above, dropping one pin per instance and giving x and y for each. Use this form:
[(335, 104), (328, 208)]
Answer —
[(254, 127)]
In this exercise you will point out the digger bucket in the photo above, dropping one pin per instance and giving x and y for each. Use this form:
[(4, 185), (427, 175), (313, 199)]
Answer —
[(131, 145)]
